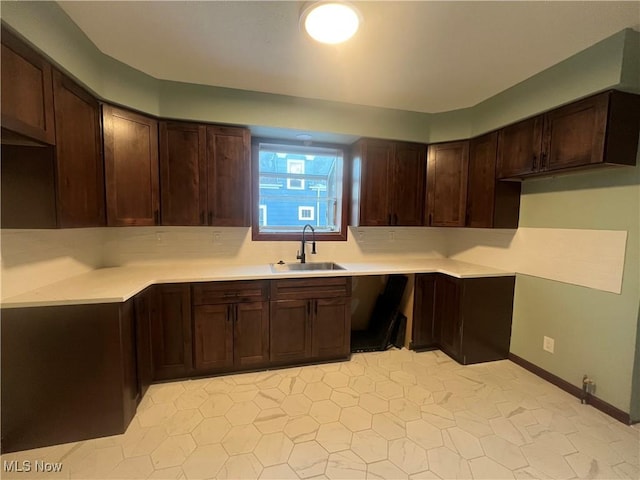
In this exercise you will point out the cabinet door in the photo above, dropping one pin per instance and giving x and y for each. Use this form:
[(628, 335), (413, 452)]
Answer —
[(171, 333), (27, 91), (228, 176), (374, 190), (519, 148), (409, 177), (424, 327), (331, 327), (183, 173), (213, 337), (447, 184), (146, 308), (131, 167), (575, 135), (482, 181), (447, 308), (80, 170), (251, 334), (290, 330)]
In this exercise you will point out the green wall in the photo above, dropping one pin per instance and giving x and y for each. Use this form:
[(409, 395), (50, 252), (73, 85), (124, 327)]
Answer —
[(595, 331), (607, 64)]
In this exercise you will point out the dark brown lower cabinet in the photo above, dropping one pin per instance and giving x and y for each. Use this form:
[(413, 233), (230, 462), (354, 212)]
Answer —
[(231, 325), (68, 373), (290, 337), (310, 319), (171, 332), (146, 307), (467, 318)]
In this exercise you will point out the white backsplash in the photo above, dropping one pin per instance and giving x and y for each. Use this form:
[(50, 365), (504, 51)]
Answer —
[(591, 258), (33, 258), (152, 245)]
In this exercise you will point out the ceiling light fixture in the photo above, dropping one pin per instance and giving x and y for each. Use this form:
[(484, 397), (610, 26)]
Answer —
[(330, 21)]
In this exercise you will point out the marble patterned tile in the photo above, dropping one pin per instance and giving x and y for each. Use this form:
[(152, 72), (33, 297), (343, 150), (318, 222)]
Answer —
[(355, 418), (369, 446), (325, 411), (308, 459), (345, 465), (173, 451), (334, 437), (408, 456), (385, 470), (211, 430), (301, 429), (240, 467), (448, 464), (394, 414), (273, 449), (205, 462), (241, 439)]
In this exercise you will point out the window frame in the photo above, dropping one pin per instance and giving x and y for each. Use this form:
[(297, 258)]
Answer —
[(255, 191)]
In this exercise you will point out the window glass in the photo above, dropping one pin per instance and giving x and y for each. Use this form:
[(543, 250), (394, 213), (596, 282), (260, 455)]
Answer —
[(299, 185)]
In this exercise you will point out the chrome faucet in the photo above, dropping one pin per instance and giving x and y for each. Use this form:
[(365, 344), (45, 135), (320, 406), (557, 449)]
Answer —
[(301, 255)]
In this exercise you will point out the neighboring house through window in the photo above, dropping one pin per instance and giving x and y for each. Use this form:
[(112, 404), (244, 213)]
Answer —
[(298, 184)]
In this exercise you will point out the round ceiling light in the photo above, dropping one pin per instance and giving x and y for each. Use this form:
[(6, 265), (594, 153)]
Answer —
[(330, 22)]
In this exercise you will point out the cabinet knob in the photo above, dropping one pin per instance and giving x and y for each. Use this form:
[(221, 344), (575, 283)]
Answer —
[(543, 160), (534, 163)]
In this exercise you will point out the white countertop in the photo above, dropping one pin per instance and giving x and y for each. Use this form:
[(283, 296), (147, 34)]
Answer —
[(118, 284)]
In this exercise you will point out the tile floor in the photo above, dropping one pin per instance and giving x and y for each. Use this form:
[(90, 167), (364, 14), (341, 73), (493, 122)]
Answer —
[(391, 415)]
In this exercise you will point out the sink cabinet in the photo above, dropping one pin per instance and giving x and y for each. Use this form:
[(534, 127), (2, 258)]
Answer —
[(467, 318), (310, 319), (230, 325)]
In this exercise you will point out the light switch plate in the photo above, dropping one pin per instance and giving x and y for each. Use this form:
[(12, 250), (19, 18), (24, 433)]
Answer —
[(548, 344)]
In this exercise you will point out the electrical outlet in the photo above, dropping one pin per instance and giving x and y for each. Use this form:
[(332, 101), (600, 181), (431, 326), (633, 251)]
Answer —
[(392, 236), (217, 236), (160, 238), (360, 236), (548, 344)]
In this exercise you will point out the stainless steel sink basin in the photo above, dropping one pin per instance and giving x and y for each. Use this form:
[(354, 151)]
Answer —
[(304, 267)]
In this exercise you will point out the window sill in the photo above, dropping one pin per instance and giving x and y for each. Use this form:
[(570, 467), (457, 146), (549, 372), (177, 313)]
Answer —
[(297, 236)]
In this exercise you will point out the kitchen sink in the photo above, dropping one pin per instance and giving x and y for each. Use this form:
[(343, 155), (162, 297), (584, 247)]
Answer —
[(304, 267)]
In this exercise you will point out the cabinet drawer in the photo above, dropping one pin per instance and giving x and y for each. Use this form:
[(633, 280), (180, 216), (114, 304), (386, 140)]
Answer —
[(305, 288), (230, 292)]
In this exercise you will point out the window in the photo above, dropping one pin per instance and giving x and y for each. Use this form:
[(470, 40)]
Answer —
[(298, 185), (306, 213), (262, 218), (295, 167)]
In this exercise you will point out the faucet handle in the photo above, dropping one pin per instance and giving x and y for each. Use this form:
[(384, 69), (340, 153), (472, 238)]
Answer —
[(313, 248), (298, 256)]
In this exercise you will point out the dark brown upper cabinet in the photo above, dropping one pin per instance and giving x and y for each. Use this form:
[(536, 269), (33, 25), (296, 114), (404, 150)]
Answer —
[(131, 167), (61, 185), (183, 173), (228, 176), (447, 169), (27, 92), (388, 183), (602, 129), (205, 174), (80, 169), (490, 203)]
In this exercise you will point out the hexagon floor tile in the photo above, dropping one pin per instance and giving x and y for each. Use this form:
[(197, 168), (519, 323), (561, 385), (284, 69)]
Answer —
[(394, 414)]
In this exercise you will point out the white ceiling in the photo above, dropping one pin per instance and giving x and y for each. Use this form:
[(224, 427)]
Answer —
[(420, 56)]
